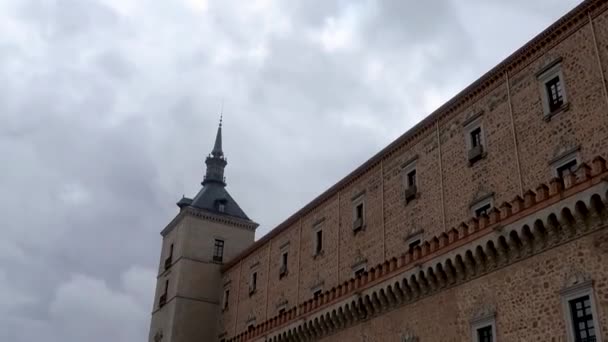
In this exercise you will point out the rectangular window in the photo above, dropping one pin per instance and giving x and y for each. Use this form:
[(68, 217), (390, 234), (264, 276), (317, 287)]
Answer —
[(218, 250), (281, 311), (483, 210), (221, 207), (411, 178), (359, 272), (359, 211), (319, 242), (283, 269), (253, 283), (582, 319), (555, 97), (413, 245), (569, 166), (476, 137), (317, 293), (169, 259), (226, 299), (484, 334)]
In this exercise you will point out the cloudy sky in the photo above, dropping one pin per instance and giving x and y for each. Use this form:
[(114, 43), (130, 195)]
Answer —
[(108, 108)]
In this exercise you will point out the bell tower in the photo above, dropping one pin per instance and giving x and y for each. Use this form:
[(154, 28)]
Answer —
[(209, 230)]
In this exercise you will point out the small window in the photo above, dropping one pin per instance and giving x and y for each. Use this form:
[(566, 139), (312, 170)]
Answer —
[(281, 311), (484, 334), (359, 211), (319, 242), (221, 207), (283, 268), (360, 272), (568, 166), (583, 326), (484, 329), (483, 210), (226, 299), (169, 260), (218, 250), (411, 178), (483, 206), (317, 293), (413, 245), (554, 93), (253, 283), (476, 137), (553, 90)]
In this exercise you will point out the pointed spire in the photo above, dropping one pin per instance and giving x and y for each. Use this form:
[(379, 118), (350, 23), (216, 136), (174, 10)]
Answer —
[(217, 148)]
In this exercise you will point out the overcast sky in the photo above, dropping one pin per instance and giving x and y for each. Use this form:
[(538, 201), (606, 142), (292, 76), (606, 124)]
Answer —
[(108, 108)]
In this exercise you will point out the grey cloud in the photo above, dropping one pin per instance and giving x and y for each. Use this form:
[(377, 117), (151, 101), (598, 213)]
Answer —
[(108, 108)]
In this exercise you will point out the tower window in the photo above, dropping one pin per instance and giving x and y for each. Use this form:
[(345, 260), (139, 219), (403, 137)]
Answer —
[(317, 293), (483, 206), (169, 259), (218, 250), (411, 178), (484, 329), (163, 298), (358, 213), (413, 245), (226, 299)]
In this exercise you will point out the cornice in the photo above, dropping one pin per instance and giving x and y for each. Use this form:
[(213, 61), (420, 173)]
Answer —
[(209, 216)]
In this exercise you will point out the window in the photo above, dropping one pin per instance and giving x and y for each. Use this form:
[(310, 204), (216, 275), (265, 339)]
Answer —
[(411, 178), (568, 166), (226, 299), (218, 250), (413, 245), (580, 310), (253, 283), (283, 269), (485, 334), (163, 298), (358, 213), (169, 259), (281, 311), (476, 137), (553, 90), (221, 207), (483, 210), (317, 293), (483, 206), (582, 319), (319, 242), (554, 93), (360, 272), (484, 329)]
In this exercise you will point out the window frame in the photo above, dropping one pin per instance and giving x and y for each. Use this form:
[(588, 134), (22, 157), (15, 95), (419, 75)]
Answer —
[(483, 322), (218, 250), (544, 76), (318, 241), (563, 159), (358, 202), (226, 299), (576, 291), (473, 123), (487, 200)]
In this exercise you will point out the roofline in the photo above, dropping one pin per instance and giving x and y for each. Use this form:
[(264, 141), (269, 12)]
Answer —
[(211, 216), (476, 89)]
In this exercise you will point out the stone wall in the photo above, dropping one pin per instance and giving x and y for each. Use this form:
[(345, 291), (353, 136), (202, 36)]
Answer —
[(520, 143)]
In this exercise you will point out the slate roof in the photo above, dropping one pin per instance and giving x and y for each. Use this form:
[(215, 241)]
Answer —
[(211, 195)]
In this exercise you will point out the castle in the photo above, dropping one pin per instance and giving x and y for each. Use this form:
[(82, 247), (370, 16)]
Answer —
[(484, 222)]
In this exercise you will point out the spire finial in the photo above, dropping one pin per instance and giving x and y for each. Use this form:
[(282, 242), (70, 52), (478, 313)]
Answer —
[(222, 113)]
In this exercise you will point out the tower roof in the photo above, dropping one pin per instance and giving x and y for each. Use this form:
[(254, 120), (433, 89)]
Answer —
[(213, 196)]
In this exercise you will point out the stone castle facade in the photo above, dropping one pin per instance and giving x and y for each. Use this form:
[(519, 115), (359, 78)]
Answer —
[(485, 222)]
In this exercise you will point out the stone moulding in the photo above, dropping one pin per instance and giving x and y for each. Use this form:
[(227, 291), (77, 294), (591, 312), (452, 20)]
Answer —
[(553, 215)]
